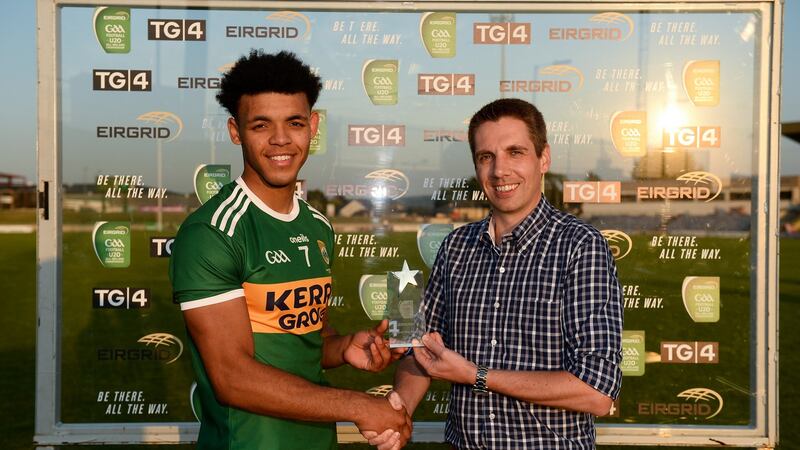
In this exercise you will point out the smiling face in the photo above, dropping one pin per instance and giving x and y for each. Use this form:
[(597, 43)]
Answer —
[(275, 132), (508, 169)]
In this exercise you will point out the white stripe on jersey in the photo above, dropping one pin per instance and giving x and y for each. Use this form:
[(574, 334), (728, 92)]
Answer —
[(231, 198), (223, 224), (323, 219), (237, 217), (219, 298), (318, 214)]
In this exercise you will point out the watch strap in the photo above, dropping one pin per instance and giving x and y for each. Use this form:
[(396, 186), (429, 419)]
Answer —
[(480, 380)]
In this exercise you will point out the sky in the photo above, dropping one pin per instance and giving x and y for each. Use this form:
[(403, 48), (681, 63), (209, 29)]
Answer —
[(18, 79)]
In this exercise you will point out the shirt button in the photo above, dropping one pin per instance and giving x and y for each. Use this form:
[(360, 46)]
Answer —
[(502, 270), (491, 416), (494, 342), (496, 305)]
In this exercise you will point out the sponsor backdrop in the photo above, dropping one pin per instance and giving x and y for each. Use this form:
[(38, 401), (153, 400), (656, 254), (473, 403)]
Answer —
[(651, 119)]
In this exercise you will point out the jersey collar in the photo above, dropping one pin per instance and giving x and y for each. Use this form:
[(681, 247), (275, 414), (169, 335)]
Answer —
[(288, 217)]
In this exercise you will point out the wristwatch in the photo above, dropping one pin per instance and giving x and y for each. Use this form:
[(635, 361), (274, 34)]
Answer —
[(479, 388)]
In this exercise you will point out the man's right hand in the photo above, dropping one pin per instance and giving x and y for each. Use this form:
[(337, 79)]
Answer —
[(386, 423)]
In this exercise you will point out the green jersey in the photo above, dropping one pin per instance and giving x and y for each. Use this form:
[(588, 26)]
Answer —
[(236, 246)]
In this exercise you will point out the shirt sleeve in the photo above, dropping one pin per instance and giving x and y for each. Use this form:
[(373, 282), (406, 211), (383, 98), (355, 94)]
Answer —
[(434, 300), (204, 267), (593, 317)]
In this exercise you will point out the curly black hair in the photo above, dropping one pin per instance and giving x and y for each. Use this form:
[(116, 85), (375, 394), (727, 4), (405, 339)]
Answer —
[(260, 72)]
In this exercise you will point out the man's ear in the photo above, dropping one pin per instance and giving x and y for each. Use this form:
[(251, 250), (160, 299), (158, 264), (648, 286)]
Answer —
[(233, 131), (544, 160)]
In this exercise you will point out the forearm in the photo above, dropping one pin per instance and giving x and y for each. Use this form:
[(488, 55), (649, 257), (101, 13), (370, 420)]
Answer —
[(558, 389), (266, 390), (224, 339), (411, 382), (333, 346)]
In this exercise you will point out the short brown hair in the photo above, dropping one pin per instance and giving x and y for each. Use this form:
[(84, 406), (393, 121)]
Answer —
[(511, 107)]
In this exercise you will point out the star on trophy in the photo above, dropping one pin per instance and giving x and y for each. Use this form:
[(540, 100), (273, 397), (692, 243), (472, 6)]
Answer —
[(406, 321)]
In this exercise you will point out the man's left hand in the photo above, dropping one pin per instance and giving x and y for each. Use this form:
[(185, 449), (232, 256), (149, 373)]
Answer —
[(442, 363), (369, 351)]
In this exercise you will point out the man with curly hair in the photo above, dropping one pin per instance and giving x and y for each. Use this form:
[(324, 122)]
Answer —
[(251, 270)]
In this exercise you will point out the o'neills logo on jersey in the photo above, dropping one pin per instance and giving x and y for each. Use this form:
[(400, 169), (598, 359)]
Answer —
[(619, 243), (694, 403), (696, 186), (299, 239), (559, 78), (280, 25), (618, 27), (161, 125), (296, 307), (446, 84), (503, 33), (379, 185)]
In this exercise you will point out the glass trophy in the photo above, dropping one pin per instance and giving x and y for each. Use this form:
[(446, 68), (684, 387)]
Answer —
[(404, 294)]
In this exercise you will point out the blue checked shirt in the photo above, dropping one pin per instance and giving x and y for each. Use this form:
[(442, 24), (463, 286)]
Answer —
[(546, 298)]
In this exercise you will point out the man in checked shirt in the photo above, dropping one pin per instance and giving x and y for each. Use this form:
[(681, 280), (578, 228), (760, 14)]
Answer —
[(523, 309)]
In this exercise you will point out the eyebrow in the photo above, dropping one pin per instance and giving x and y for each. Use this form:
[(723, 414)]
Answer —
[(288, 119), (506, 149), (516, 147)]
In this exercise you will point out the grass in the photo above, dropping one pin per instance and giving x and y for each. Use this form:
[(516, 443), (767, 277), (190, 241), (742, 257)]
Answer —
[(83, 375), (17, 352)]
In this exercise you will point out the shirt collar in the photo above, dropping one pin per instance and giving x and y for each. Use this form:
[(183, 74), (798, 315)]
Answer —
[(525, 232)]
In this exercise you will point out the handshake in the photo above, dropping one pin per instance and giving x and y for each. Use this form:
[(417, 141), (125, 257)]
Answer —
[(431, 360), (392, 416)]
